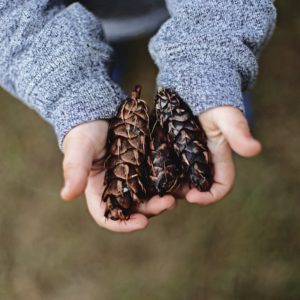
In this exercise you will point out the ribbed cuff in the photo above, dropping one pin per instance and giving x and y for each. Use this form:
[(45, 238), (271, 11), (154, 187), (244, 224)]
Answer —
[(205, 86), (86, 101)]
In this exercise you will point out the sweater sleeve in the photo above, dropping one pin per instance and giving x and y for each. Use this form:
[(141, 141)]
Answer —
[(54, 58), (208, 49)]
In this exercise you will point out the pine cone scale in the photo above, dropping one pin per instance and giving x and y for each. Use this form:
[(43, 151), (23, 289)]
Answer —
[(152, 155), (187, 137), (164, 172), (125, 178)]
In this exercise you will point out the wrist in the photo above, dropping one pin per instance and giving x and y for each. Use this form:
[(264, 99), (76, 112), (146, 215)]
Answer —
[(93, 133), (92, 101), (203, 86)]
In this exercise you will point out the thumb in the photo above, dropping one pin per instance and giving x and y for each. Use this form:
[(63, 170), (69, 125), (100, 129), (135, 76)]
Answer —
[(77, 164), (234, 127)]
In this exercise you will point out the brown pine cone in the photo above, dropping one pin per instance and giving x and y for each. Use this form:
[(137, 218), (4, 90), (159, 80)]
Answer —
[(126, 176), (164, 166), (187, 137)]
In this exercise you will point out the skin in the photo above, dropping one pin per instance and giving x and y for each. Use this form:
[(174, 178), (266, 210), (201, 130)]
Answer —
[(226, 129)]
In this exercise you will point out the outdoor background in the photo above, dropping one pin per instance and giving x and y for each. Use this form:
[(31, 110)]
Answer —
[(245, 247)]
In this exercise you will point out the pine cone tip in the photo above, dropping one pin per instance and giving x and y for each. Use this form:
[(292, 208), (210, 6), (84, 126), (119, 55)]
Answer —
[(136, 93)]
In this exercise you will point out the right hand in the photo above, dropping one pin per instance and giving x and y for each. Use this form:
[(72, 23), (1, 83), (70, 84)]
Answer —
[(83, 146)]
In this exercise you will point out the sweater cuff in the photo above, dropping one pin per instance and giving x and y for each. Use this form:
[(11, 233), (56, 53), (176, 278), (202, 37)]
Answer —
[(86, 101), (203, 86)]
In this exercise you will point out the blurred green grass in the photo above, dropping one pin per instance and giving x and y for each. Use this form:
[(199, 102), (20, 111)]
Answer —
[(245, 247)]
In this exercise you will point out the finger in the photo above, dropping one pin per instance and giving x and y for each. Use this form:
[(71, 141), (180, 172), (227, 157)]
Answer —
[(224, 174), (76, 167), (96, 208), (234, 126), (156, 205)]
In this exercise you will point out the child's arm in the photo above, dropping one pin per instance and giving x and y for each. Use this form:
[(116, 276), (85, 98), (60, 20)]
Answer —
[(54, 58), (208, 52)]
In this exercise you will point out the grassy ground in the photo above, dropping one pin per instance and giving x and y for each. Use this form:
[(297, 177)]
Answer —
[(246, 247)]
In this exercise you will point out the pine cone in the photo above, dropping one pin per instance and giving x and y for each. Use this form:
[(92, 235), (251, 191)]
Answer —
[(187, 137), (163, 164), (126, 177)]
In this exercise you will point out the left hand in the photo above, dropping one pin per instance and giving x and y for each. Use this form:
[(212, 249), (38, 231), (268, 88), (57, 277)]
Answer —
[(226, 129)]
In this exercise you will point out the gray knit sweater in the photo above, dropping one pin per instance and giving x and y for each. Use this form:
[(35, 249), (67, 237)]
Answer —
[(55, 57)]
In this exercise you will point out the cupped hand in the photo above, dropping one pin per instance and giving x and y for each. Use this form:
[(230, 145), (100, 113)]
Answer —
[(84, 146), (226, 129)]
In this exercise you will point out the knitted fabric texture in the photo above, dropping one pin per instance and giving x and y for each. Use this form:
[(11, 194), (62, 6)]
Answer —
[(55, 59), (207, 51)]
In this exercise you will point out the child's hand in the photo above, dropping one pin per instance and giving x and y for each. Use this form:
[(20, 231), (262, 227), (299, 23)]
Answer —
[(84, 145), (226, 129)]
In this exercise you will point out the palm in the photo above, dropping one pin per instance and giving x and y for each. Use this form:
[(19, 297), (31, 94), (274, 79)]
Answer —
[(226, 130), (84, 148)]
